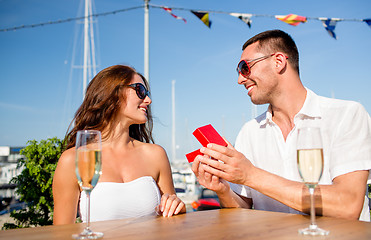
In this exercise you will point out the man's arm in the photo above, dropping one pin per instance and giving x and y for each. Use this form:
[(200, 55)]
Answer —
[(233, 200), (344, 198)]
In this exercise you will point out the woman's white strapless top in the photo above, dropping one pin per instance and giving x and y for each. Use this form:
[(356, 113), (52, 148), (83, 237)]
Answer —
[(110, 200)]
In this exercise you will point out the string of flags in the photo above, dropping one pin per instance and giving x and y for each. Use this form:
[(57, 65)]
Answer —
[(292, 19)]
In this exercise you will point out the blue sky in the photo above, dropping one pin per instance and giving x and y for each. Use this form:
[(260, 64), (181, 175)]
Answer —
[(39, 95)]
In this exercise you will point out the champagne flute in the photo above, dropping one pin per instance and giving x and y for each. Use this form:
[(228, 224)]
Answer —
[(88, 170), (310, 165)]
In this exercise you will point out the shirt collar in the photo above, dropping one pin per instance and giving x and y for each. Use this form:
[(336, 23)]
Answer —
[(310, 108)]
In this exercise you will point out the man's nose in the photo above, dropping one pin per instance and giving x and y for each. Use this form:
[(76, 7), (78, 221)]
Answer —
[(241, 79)]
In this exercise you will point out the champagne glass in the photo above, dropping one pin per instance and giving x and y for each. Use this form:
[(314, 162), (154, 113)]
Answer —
[(88, 171), (310, 165)]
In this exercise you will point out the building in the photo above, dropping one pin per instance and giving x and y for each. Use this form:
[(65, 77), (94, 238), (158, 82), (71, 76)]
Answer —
[(9, 157), (185, 182)]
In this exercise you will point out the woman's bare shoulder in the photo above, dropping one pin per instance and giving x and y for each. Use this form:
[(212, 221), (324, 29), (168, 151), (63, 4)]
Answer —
[(153, 149), (65, 171), (67, 157)]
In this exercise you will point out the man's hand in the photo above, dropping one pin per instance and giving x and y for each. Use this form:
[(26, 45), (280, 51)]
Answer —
[(232, 166), (206, 179)]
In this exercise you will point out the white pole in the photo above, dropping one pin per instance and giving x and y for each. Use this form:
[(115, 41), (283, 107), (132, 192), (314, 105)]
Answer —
[(92, 42), (146, 40), (86, 48), (173, 146)]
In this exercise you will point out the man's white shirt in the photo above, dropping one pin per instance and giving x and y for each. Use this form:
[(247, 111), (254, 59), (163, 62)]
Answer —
[(346, 136)]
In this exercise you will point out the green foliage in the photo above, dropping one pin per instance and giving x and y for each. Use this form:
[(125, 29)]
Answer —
[(34, 184)]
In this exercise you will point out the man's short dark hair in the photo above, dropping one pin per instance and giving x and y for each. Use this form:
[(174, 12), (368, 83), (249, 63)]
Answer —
[(276, 41)]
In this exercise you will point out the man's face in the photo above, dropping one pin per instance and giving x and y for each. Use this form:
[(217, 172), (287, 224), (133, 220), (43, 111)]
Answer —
[(260, 81)]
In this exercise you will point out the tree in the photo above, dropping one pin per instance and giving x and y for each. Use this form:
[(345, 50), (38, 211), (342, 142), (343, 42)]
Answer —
[(34, 184)]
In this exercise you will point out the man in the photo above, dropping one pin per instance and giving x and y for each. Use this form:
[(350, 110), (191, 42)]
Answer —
[(262, 168)]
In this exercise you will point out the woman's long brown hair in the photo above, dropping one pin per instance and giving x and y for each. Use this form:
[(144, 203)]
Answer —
[(102, 103)]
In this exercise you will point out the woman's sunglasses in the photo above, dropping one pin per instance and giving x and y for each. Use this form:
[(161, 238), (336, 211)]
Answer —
[(140, 90)]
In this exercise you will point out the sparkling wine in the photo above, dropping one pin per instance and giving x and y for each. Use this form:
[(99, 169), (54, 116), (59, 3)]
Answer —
[(310, 165), (88, 170), (88, 167)]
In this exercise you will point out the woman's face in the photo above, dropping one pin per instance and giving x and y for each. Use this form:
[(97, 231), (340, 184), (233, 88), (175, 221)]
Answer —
[(134, 109)]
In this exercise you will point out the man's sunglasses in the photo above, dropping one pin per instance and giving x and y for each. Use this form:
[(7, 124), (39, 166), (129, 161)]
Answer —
[(244, 68), (140, 90)]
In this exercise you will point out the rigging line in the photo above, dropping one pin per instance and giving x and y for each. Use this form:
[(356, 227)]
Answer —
[(68, 19), (252, 14)]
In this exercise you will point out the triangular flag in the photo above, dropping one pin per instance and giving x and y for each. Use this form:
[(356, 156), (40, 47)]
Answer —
[(246, 17), (204, 17), (291, 19), (169, 10), (368, 21), (330, 24)]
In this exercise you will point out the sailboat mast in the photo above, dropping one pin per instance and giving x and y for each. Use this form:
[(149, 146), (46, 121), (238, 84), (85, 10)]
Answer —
[(146, 40), (86, 48), (89, 65), (92, 42)]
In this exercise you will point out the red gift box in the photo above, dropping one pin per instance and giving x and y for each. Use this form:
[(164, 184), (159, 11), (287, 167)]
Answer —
[(205, 135), (192, 155)]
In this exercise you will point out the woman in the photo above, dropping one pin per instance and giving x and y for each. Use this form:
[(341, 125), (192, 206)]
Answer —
[(136, 175)]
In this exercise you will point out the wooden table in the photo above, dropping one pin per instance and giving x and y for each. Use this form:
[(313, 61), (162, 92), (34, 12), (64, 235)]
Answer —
[(210, 225)]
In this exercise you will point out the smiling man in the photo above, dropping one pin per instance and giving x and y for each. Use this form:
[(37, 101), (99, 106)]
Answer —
[(261, 171)]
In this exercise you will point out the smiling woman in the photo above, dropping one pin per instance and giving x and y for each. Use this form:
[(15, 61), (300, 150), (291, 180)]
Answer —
[(136, 177)]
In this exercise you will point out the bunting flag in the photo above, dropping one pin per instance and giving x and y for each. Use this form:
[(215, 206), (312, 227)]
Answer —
[(204, 17), (291, 19), (169, 10), (368, 21), (330, 24), (246, 17)]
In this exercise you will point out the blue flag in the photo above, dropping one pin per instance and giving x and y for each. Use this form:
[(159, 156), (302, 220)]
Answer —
[(368, 21), (329, 24)]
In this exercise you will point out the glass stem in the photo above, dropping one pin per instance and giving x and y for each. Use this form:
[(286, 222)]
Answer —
[(88, 210), (312, 209)]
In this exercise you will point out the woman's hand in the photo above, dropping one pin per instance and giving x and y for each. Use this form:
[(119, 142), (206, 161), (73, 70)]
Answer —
[(170, 205)]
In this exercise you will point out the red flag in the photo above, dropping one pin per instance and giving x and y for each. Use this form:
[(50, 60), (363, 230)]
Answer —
[(292, 19), (171, 13)]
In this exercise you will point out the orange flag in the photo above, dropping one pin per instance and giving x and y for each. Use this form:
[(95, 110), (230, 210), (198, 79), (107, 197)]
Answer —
[(292, 19)]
